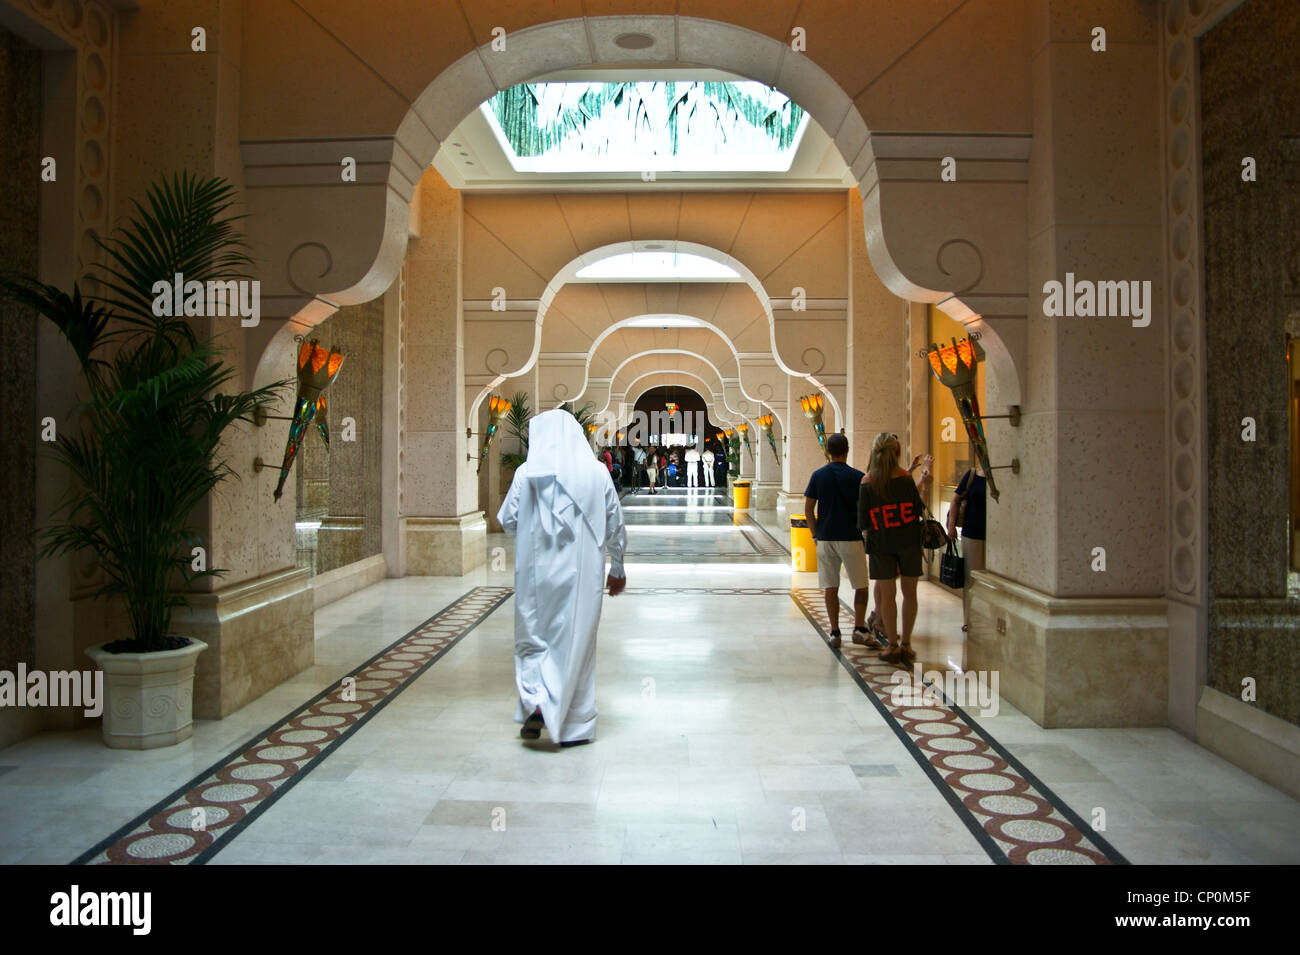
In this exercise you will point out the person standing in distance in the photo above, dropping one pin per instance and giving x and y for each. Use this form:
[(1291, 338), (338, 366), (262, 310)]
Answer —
[(830, 505), (563, 511)]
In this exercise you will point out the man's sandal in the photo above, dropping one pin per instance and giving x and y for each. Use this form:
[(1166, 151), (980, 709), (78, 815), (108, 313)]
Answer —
[(532, 728)]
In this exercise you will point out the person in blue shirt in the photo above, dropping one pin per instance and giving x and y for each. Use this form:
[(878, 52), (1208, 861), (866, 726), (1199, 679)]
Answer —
[(831, 508)]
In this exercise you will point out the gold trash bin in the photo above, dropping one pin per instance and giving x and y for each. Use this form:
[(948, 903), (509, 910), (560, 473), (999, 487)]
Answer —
[(803, 549), (741, 489)]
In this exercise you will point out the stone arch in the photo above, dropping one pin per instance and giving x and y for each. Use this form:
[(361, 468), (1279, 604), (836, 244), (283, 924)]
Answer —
[(566, 274), (652, 362), (752, 393), (642, 383), (354, 254)]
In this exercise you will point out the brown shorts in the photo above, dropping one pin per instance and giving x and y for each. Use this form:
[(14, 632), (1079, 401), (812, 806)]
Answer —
[(889, 566)]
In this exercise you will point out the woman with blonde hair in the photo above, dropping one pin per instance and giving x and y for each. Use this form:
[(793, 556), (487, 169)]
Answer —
[(890, 512)]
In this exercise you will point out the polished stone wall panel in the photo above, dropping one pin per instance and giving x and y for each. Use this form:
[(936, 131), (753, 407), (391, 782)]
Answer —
[(20, 125), (1250, 106)]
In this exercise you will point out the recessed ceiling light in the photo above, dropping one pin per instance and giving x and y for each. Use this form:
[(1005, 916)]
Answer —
[(653, 246), (457, 145), (469, 162), (634, 41)]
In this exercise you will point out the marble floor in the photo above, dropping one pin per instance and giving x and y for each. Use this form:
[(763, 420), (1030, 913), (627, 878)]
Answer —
[(730, 732)]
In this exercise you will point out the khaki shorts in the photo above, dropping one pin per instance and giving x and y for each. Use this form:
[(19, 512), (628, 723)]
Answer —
[(831, 554)]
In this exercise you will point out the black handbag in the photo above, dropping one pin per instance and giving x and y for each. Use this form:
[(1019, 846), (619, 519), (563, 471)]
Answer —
[(952, 567), (933, 535)]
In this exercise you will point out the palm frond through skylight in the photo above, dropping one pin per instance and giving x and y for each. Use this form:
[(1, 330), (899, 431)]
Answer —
[(648, 126)]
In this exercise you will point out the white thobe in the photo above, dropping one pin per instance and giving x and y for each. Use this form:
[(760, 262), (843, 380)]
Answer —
[(707, 457), (559, 584), (692, 468)]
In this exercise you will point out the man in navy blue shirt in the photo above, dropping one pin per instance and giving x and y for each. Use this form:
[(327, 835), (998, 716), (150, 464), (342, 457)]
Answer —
[(831, 506)]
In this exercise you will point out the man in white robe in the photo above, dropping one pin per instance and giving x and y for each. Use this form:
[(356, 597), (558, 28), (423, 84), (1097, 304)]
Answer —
[(563, 511)]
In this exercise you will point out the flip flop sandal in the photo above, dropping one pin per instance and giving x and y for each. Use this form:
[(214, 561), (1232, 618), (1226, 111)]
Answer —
[(532, 728)]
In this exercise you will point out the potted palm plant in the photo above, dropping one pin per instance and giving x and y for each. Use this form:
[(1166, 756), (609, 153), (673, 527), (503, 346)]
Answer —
[(143, 451)]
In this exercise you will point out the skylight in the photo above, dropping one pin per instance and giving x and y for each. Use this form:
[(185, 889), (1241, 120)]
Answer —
[(657, 267), (651, 126)]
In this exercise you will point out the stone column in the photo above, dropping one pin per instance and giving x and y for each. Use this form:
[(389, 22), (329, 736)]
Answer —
[(20, 142), (803, 451), (878, 344), (445, 529), (1073, 596), (350, 530), (767, 473)]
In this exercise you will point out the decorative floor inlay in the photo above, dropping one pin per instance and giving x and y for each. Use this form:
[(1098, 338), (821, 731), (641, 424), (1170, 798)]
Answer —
[(199, 819), (1015, 818)]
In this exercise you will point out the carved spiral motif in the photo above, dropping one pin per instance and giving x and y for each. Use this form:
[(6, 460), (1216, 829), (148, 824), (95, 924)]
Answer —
[(979, 258), (820, 357), (766, 392), (300, 263), (499, 367)]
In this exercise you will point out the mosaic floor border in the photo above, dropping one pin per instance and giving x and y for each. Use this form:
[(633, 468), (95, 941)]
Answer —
[(1015, 818), (200, 818)]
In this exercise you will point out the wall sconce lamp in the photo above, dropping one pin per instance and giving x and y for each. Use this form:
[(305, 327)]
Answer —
[(317, 368), (765, 423), (813, 406), (743, 430), (498, 408), (954, 365)]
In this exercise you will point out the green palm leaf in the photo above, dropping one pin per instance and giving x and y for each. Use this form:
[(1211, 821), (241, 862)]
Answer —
[(144, 447)]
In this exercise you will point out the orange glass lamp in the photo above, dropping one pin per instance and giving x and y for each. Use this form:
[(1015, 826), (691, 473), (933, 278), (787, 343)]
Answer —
[(765, 424), (498, 408), (317, 368), (954, 365), (813, 406), (743, 430)]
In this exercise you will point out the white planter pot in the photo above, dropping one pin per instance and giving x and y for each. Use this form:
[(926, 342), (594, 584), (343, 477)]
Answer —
[(150, 696)]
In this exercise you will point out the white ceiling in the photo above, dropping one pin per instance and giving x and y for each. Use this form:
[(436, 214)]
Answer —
[(472, 159)]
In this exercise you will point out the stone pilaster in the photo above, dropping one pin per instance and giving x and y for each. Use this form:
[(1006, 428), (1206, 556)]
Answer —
[(445, 530)]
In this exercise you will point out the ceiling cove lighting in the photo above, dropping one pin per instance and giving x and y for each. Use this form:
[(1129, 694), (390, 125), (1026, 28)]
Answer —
[(663, 321), (636, 127), (657, 267)]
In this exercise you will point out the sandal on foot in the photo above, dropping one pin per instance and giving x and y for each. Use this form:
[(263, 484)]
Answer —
[(575, 742), (907, 655), (532, 728), (891, 653), (860, 635), (834, 640)]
